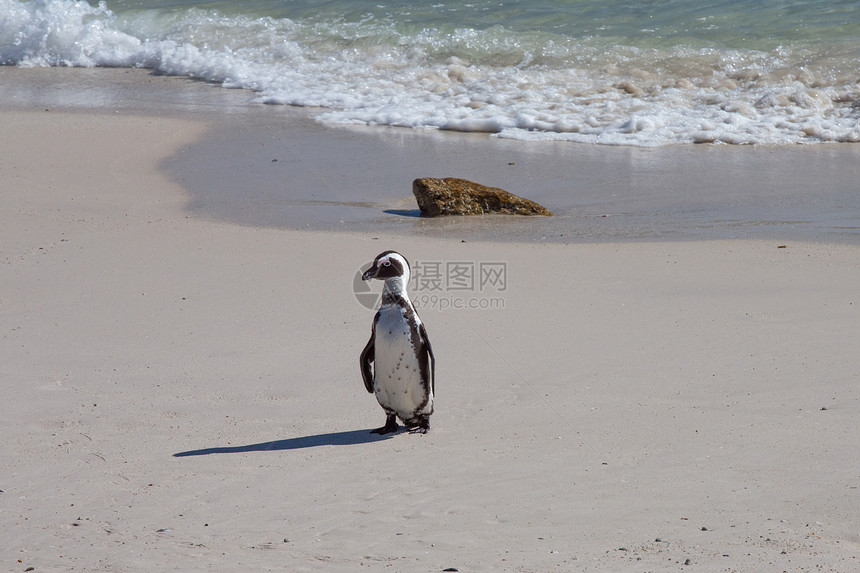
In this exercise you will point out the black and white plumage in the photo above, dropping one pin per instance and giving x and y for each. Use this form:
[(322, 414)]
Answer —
[(397, 364)]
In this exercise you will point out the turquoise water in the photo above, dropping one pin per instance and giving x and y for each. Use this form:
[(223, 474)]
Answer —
[(762, 24), (614, 72)]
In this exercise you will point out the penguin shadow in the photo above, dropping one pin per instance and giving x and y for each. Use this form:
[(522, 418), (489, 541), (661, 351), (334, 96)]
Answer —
[(350, 438)]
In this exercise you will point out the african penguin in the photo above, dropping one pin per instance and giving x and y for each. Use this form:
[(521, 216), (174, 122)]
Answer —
[(397, 364)]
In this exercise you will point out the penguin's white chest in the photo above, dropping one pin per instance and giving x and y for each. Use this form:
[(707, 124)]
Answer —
[(397, 375)]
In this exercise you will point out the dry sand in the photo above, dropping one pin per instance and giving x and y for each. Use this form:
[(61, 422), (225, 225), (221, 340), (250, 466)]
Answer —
[(183, 394)]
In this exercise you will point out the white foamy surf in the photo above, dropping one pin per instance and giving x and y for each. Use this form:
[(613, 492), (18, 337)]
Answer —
[(548, 70)]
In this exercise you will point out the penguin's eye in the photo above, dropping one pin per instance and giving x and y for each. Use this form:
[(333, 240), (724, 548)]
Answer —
[(386, 264)]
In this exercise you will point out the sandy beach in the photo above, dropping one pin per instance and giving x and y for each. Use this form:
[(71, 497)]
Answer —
[(182, 390)]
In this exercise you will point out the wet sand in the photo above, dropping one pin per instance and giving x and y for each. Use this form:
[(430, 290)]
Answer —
[(276, 166)]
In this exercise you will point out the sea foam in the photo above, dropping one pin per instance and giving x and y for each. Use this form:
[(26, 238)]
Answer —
[(522, 85)]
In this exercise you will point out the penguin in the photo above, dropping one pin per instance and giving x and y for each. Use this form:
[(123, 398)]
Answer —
[(397, 364)]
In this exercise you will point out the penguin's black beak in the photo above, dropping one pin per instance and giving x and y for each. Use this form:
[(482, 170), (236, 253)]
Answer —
[(370, 273)]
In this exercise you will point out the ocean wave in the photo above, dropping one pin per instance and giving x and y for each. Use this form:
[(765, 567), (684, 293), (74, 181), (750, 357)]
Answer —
[(528, 85)]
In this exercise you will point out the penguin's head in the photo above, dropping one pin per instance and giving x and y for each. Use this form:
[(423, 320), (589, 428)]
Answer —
[(388, 265)]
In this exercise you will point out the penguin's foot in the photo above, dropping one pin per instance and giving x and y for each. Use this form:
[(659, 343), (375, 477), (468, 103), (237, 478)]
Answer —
[(419, 425), (389, 428)]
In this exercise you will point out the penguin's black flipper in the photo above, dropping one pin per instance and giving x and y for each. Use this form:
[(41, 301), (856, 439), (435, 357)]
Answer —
[(367, 357), (429, 349)]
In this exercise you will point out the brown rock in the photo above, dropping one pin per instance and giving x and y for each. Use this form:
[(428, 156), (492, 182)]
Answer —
[(452, 196)]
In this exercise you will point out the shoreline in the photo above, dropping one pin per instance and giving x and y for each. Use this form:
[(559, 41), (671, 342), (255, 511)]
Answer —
[(183, 392), (271, 166)]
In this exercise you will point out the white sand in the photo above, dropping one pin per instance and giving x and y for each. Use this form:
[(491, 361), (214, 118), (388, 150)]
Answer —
[(630, 407)]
